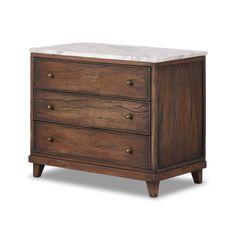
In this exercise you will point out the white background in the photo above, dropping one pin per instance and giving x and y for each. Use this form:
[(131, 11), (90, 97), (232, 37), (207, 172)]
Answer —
[(66, 202)]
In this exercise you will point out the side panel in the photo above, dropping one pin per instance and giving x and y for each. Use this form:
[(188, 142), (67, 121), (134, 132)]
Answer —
[(181, 112)]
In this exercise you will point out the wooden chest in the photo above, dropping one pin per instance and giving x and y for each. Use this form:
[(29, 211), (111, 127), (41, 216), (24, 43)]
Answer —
[(133, 112)]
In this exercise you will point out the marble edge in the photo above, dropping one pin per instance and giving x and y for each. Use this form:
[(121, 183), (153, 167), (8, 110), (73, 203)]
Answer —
[(191, 53)]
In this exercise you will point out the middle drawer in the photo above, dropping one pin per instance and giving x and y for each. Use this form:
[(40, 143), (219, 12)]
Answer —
[(92, 111)]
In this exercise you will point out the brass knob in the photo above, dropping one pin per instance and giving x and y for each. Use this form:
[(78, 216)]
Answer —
[(129, 116), (50, 139), (129, 150), (50, 75), (50, 107), (130, 82)]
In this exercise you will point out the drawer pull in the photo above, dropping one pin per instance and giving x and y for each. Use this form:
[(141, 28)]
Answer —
[(129, 150), (50, 139), (50, 107), (50, 75), (130, 82), (129, 116)]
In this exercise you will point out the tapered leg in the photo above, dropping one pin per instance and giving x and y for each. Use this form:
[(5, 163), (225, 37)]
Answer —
[(197, 176), (37, 170), (153, 188)]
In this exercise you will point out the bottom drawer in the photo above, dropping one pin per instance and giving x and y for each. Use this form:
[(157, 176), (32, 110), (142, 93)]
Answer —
[(113, 147)]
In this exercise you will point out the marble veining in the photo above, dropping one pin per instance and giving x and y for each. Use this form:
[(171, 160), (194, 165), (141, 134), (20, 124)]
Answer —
[(119, 52)]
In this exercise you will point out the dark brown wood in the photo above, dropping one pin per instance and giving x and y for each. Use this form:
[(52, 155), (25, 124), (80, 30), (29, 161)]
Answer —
[(106, 146), (204, 107), (110, 80), (180, 170), (180, 113), (153, 188), (31, 102), (181, 61), (94, 161), (92, 111), (37, 170), (148, 175), (131, 119), (91, 59), (47, 160), (197, 176), (154, 121), (183, 164)]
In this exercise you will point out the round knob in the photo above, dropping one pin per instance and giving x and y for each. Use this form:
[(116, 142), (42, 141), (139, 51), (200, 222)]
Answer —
[(50, 75), (129, 150), (129, 116), (50, 139), (50, 107), (130, 82)]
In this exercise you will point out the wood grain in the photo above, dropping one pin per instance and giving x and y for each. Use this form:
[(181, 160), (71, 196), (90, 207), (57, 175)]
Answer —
[(91, 59), (37, 170), (87, 128), (93, 78), (153, 188), (197, 176), (104, 146), (180, 113), (92, 111), (154, 113), (106, 170), (182, 169)]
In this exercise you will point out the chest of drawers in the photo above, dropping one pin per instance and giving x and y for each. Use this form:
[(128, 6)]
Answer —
[(133, 112)]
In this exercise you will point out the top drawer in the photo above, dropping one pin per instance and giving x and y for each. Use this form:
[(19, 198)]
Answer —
[(102, 79)]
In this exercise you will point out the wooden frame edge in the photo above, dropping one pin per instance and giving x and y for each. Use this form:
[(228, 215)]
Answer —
[(181, 170), (92, 168), (92, 59), (153, 117), (150, 177)]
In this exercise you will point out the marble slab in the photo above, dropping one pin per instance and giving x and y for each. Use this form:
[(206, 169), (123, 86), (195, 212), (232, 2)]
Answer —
[(119, 52)]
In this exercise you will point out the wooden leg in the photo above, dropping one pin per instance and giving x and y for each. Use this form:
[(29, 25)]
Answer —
[(153, 188), (37, 170), (197, 176)]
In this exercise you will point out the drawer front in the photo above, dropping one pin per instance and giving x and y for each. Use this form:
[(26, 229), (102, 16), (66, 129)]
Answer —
[(105, 146), (92, 111), (102, 79)]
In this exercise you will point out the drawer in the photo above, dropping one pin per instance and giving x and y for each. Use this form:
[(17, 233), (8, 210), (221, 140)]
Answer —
[(92, 111), (102, 79), (104, 146)]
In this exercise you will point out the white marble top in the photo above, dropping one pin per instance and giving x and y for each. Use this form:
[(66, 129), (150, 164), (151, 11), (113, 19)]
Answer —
[(119, 52)]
